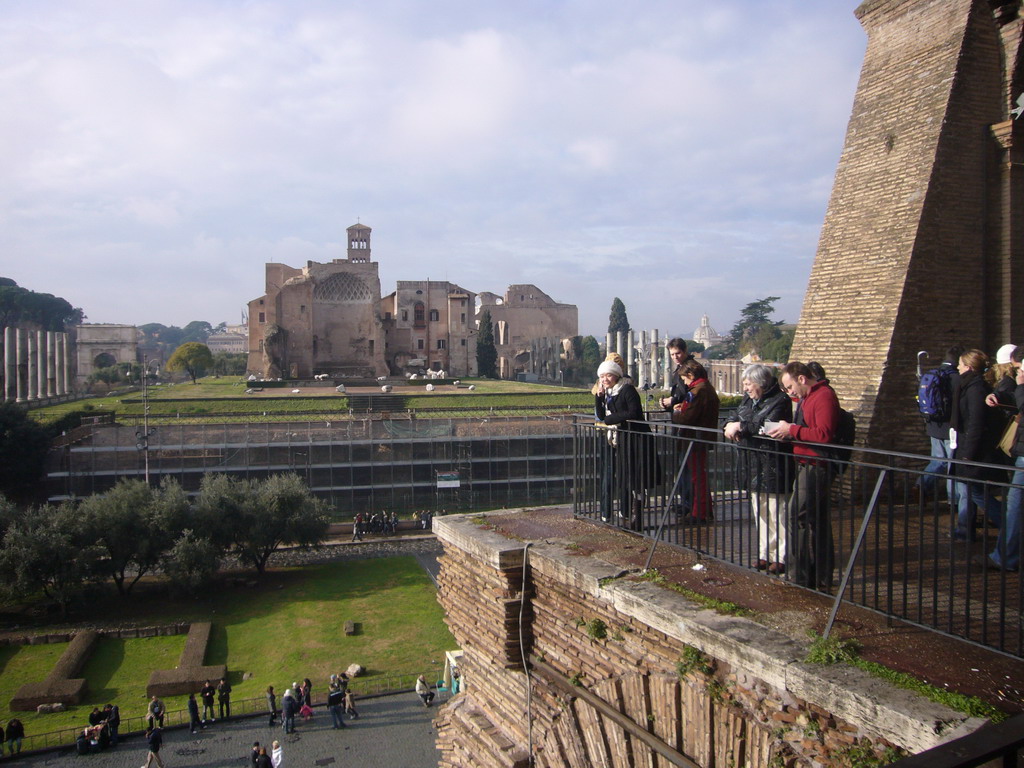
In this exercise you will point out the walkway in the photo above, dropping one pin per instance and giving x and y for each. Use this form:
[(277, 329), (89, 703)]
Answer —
[(392, 731)]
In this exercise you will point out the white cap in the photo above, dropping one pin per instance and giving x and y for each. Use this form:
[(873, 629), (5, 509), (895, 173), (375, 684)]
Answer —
[(608, 366), (1003, 355)]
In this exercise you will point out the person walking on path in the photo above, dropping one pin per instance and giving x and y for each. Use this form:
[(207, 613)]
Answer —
[(277, 756), (350, 704), (262, 759), (193, 714), (154, 739)]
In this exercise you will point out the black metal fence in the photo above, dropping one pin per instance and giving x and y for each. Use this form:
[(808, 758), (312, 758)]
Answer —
[(875, 526)]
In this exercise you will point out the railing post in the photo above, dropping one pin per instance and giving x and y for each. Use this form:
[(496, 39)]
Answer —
[(668, 505), (855, 552)]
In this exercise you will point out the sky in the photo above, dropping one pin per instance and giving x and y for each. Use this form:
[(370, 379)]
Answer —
[(678, 155)]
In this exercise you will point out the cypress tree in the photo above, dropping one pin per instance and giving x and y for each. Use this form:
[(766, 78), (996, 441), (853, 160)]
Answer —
[(617, 320), (486, 354)]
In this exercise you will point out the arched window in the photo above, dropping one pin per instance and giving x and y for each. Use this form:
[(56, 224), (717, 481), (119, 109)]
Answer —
[(418, 315)]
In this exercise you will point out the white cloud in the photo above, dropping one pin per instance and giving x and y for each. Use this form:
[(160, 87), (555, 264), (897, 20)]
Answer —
[(159, 153)]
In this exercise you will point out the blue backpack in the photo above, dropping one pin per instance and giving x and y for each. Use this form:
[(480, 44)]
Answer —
[(935, 394)]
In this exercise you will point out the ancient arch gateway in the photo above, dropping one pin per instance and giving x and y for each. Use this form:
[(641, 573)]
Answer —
[(922, 243)]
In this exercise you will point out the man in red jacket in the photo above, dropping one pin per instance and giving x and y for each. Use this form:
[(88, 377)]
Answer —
[(817, 421)]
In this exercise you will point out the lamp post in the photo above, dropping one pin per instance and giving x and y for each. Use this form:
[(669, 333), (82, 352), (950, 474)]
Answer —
[(142, 435)]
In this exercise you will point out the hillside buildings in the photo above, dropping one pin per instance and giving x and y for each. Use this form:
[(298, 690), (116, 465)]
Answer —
[(331, 319)]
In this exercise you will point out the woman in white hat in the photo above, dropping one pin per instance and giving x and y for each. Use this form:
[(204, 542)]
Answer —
[(632, 467)]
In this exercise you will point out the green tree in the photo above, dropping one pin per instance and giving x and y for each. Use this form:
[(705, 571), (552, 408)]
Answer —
[(20, 307), (197, 330), (591, 357), (753, 330), (617, 320), (193, 358), (486, 354), (134, 525), (23, 447), (254, 518), (47, 549), (191, 563), (230, 364)]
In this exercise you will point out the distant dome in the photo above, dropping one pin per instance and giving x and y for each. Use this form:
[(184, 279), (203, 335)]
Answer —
[(707, 335)]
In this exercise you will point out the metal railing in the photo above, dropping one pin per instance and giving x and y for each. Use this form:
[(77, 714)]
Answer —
[(871, 533), (378, 685)]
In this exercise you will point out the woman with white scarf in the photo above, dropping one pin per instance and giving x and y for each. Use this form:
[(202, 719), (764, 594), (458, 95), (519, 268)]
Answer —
[(632, 467)]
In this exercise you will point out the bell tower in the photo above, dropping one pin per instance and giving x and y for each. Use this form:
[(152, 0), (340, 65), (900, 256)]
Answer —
[(358, 243)]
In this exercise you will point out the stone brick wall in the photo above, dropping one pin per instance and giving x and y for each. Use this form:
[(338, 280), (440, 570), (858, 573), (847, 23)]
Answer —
[(629, 673), (912, 254)]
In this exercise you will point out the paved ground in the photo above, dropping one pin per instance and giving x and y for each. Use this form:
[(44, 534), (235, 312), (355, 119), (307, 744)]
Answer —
[(391, 732)]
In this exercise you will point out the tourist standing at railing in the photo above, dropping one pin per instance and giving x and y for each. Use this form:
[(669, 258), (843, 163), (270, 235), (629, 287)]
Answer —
[(810, 549), (630, 467), (272, 705), (698, 408), (113, 713), (766, 464), (677, 389), (974, 435), (224, 697), (289, 708), (15, 733), (207, 694), (1006, 553)]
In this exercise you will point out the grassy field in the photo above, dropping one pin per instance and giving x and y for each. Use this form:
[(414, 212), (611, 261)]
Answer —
[(288, 628), (227, 395)]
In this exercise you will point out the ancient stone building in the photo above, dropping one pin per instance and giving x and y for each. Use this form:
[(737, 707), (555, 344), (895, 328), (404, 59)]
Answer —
[(523, 316), (430, 324), (922, 243), (322, 318)]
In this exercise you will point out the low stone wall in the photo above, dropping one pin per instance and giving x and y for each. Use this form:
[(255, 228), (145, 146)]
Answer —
[(190, 674), (627, 673), (60, 685)]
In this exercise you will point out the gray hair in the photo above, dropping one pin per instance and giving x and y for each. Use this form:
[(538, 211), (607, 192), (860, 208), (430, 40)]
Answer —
[(759, 374)]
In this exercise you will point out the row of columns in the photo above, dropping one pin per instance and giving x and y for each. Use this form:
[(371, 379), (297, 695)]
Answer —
[(37, 365), (642, 352)]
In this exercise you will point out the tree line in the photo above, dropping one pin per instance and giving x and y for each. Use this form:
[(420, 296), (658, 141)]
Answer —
[(134, 530)]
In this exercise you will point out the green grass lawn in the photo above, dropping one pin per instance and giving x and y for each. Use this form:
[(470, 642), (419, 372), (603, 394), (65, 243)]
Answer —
[(288, 628)]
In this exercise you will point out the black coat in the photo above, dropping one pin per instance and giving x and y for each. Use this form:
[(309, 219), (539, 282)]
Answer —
[(634, 447), (767, 464), (978, 429)]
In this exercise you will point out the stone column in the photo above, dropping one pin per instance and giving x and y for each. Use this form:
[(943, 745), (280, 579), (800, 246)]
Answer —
[(629, 355), (10, 365), (618, 344), (41, 365), (67, 364), (666, 370), (32, 359), (641, 377), (608, 343), (21, 362), (51, 364), (58, 364)]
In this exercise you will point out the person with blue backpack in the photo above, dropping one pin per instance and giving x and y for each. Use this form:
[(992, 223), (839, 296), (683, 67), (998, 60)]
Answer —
[(935, 402)]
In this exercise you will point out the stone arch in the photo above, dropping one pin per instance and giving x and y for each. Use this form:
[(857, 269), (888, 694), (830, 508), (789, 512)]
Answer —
[(342, 288), (104, 360)]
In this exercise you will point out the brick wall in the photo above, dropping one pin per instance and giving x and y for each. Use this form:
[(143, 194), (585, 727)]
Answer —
[(613, 693), (911, 253)]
